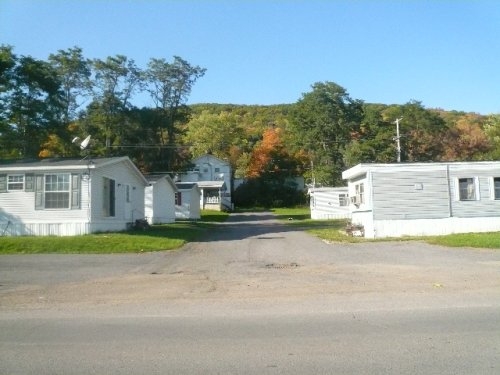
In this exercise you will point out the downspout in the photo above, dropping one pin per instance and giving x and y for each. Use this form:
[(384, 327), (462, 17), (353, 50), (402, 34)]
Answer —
[(369, 179), (450, 207)]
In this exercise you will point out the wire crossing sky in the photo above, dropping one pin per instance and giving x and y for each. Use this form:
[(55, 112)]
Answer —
[(443, 53)]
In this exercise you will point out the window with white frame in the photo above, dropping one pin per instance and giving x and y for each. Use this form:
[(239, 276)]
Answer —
[(467, 189), (496, 188), (360, 193), (15, 182), (54, 190), (57, 190)]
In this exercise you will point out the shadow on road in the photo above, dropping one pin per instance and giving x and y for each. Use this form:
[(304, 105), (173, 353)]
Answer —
[(240, 226)]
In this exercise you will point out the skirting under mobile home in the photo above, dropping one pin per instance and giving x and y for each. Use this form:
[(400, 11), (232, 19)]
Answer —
[(420, 199)]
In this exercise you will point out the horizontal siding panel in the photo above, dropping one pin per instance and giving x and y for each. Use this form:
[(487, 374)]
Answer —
[(410, 195)]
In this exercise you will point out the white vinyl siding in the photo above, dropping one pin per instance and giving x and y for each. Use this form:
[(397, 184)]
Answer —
[(410, 194)]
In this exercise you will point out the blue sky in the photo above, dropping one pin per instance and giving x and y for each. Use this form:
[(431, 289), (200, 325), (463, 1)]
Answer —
[(445, 54)]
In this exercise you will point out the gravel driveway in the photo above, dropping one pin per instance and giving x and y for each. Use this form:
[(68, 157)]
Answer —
[(253, 260)]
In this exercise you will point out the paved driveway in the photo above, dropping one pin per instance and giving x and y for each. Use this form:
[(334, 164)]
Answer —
[(250, 261), (256, 297)]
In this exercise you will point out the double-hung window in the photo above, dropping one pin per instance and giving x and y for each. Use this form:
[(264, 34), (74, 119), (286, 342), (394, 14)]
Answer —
[(360, 193), (15, 182), (57, 190)]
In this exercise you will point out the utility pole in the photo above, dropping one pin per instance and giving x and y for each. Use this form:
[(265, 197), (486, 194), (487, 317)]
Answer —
[(397, 138)]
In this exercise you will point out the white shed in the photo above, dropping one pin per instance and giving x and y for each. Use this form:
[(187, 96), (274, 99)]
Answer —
[(418, 199), (187, 201), (327, 203), (64, 197), (159, 199)]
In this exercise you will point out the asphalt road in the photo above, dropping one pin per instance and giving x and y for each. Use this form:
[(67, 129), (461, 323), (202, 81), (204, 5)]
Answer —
[(255, 297)]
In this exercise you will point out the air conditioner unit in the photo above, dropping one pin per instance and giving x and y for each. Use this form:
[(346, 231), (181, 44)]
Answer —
[(356, 200)]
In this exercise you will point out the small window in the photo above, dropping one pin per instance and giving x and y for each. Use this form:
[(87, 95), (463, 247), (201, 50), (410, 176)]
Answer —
[(343, 200), (360, 193), (108, 207), (15, 182), (216, 170), (496, 187), (467, 189), (178, 198)]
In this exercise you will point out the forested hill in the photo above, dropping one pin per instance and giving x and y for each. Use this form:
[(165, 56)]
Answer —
[(45, 105), (332, 134)]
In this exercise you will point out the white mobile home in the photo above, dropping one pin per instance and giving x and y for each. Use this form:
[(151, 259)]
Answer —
[(416, 199), (64, 197), (328, 203), (159, 199)]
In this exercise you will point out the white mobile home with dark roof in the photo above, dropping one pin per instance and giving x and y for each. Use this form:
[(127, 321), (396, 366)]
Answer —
[(418, 199), (64, 197)]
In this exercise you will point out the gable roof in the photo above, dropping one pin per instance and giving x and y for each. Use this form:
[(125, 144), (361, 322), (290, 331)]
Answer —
[(154, 178), (55, 164), (187, 185), (209, 157)]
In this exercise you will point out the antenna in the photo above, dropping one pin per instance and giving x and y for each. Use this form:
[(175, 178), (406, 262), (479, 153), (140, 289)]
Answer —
[(84, 143)]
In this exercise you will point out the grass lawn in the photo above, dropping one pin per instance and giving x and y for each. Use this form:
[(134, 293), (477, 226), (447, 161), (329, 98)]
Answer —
[(333, 230), (157, 237)]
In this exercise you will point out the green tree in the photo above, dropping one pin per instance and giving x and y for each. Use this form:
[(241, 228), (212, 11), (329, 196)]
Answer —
[(492, 131), (214, 133), (169, 85), (374, 141), (74, 72), (324, 121), (116, 80), (7, 63), (31, 105), (421, 131)]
